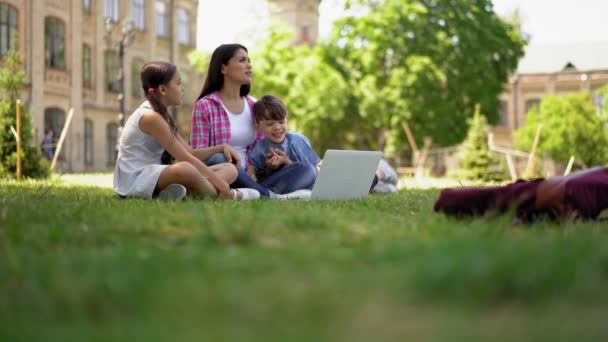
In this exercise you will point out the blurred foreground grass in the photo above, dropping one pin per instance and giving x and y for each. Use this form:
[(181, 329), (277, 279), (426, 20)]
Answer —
[(79, 264)]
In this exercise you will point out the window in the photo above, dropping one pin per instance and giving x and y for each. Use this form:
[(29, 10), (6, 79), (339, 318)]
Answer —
[(532, 103), (88, 141), (503, 113), (110, 9), (137, 14), (8, 28), (111, 71), (136, 89), (86, 6), (54, 43), (183, 29), (54, 119), (111, 141), (162, 19), (86, 66)]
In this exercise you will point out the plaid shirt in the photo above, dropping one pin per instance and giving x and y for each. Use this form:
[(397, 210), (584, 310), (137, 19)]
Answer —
[(211, 126)]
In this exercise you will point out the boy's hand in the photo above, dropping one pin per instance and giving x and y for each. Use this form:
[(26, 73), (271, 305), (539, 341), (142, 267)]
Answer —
[(276, 158), (282, 156), (251, 172)]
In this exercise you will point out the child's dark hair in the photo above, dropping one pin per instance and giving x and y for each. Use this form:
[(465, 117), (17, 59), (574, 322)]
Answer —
[(154, 74), (269, 107)]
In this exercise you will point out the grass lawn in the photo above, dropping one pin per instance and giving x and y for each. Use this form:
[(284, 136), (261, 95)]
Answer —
[(79, 264)]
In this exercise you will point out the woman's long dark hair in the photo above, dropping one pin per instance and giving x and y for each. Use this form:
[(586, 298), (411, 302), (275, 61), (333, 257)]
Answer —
[(154, 74), (215, 78)]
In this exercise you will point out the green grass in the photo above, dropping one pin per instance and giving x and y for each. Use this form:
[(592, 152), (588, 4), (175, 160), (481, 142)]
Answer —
[(79, 264)]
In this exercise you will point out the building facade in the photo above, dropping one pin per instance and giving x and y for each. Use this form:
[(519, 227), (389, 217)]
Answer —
[(302, 16), (557, 69), (71, 61)]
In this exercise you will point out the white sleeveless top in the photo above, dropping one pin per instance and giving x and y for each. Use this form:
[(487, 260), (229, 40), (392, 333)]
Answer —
[(138, 165), (242, 132)]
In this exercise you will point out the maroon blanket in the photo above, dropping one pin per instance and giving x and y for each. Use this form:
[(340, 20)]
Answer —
[(582, 194)]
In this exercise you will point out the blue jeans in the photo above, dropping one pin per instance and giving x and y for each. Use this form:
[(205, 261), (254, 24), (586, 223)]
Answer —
[(292, 177)]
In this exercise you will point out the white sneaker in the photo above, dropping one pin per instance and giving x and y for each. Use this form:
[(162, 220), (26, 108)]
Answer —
[(248, 194), (173, 192), (302, 194)]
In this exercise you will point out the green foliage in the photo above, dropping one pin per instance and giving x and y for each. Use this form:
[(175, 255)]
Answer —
[(427, 62), (570, 127), (80, 264), (476, 159), (12, 81)]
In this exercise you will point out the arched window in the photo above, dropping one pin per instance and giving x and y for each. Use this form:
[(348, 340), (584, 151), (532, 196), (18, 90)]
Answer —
[(138, 14), (86, 66), (8, 28), (183, 27), (54, 119), (111, 71), (111, 141), (110, 10), (136, 89), (88, 141), (162, 19), (54, 43)]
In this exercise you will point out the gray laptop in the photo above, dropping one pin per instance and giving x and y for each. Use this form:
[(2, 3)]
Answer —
[(346, 174)]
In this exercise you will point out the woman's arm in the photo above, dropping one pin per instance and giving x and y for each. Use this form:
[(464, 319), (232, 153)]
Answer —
[(199, 126), (206, 152), (153, 124)]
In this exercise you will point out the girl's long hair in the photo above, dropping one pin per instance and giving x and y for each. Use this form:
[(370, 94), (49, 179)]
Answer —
[(154, 74), (215, 78)]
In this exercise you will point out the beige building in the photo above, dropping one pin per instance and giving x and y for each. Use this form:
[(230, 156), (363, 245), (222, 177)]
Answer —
[(70, 64), (301, 15), (550, 69)]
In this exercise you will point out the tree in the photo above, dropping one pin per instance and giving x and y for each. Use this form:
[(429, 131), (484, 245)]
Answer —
[(427, 62), (476, 160), (571, 127), (12, 81)]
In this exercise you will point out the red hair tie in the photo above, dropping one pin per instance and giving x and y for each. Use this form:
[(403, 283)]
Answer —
[(150, 90)]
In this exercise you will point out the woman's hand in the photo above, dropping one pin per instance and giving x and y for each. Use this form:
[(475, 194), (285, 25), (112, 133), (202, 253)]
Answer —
[(231, 155)]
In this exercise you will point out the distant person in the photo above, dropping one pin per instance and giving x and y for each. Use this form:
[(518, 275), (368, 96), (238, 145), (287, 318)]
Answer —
[(48, 146), (282, 161), (149, 131), (223, 113)]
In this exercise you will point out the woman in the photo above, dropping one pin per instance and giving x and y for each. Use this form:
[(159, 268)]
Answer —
[(223, 115)]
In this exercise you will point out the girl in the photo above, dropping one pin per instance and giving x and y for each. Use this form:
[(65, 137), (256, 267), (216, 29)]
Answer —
[(223, 115), (150, 131)]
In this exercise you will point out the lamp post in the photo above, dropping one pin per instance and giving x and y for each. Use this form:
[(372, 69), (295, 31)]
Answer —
[(126, 36)]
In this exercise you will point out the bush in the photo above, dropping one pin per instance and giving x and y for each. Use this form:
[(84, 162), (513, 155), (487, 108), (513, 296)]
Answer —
[(33, 165), (477, 162)]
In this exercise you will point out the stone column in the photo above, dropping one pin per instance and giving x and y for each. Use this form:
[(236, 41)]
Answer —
[(36, 55), (76, 135)]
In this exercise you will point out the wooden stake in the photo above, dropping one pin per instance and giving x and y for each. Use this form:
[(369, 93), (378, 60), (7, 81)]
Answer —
[(530, 163), (569, 167), (511, 167), (18, 139), (64, 132)]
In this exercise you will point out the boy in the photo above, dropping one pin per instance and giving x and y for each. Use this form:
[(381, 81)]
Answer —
[(280, 149)]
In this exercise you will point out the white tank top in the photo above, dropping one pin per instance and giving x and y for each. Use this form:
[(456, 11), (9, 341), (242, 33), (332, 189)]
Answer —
[(242, 132)]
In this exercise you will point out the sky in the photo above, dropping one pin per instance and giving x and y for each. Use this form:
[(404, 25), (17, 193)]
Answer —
[(547, 21)]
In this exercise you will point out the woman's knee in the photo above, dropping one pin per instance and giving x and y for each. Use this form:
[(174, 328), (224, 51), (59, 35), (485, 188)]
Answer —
[(186, 173)]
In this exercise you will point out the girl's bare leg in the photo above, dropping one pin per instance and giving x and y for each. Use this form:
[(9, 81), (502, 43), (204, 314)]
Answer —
[(187, 175)]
